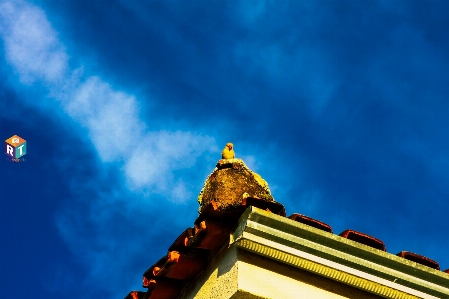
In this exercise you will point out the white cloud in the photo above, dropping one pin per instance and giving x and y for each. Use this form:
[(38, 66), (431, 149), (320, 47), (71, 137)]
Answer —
[(111, 117), (180, 192), (31, 44), (160, 152), (148, 157)]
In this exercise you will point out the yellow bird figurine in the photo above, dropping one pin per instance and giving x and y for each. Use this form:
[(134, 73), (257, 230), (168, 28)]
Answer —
[(228, 151)]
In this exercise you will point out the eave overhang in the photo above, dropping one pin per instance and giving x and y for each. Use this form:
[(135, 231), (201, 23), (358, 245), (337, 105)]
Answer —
[(337, 258)]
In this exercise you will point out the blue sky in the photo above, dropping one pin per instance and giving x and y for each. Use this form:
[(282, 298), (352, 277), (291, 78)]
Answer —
[(341, 106)]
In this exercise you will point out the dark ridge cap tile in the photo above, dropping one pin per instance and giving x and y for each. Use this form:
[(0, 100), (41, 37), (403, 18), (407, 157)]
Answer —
[(180, 241), (137, 295), (446, 271), (311, 222), (363, 239), (149, 273), (212, 211), (184, 265), (270, 206), (210, 234), (233, 214), (167, 289), (420, 259), (146, 282)]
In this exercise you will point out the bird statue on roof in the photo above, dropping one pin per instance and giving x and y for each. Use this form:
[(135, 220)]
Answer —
[(228, 151)]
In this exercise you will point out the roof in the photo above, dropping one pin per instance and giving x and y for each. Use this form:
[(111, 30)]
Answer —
[(255, 222), (248, 227)]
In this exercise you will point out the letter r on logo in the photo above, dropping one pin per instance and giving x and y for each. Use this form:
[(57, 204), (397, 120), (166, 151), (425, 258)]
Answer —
[(9, 150)]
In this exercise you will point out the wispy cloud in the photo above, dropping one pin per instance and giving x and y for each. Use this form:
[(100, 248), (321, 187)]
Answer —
[(158, 153), (31, 44), (110, 116)]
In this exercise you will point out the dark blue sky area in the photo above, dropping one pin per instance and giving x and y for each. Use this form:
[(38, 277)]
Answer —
[(342, 106)]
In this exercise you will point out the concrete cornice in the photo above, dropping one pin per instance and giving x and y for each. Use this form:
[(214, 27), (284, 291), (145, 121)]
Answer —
[(337, 258)]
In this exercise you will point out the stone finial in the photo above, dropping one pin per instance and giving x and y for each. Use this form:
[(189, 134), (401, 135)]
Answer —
[(230, 182)]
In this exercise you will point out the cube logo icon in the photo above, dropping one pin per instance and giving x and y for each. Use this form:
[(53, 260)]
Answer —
[(15, 147)]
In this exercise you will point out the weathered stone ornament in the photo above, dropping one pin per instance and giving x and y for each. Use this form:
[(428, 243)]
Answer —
[(230, 182)]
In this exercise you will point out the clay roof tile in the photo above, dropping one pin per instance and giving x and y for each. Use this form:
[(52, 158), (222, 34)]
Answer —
[(311, 222), (363, 239), (419, 259)]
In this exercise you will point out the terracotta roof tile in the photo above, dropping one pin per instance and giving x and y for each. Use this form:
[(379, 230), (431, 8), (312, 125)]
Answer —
[(183, 265), (213, 211), (148, 275), (210, 234), (180, 241), (311, 222), (363, 238), (419, 259), (137, 295), (271, 206), (163, 289)]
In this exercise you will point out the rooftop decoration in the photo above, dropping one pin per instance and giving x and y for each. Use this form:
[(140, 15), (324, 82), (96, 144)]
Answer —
[(231, 182)]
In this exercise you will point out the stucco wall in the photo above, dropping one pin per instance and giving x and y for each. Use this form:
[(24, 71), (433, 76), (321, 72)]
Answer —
[(218, 281), (270, 279), (237, 274)]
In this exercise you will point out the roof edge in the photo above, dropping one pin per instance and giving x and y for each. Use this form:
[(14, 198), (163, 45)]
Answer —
[(335, 257)]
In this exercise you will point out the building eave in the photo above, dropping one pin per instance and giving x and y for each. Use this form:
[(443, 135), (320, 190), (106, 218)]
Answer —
[(335, 257)]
